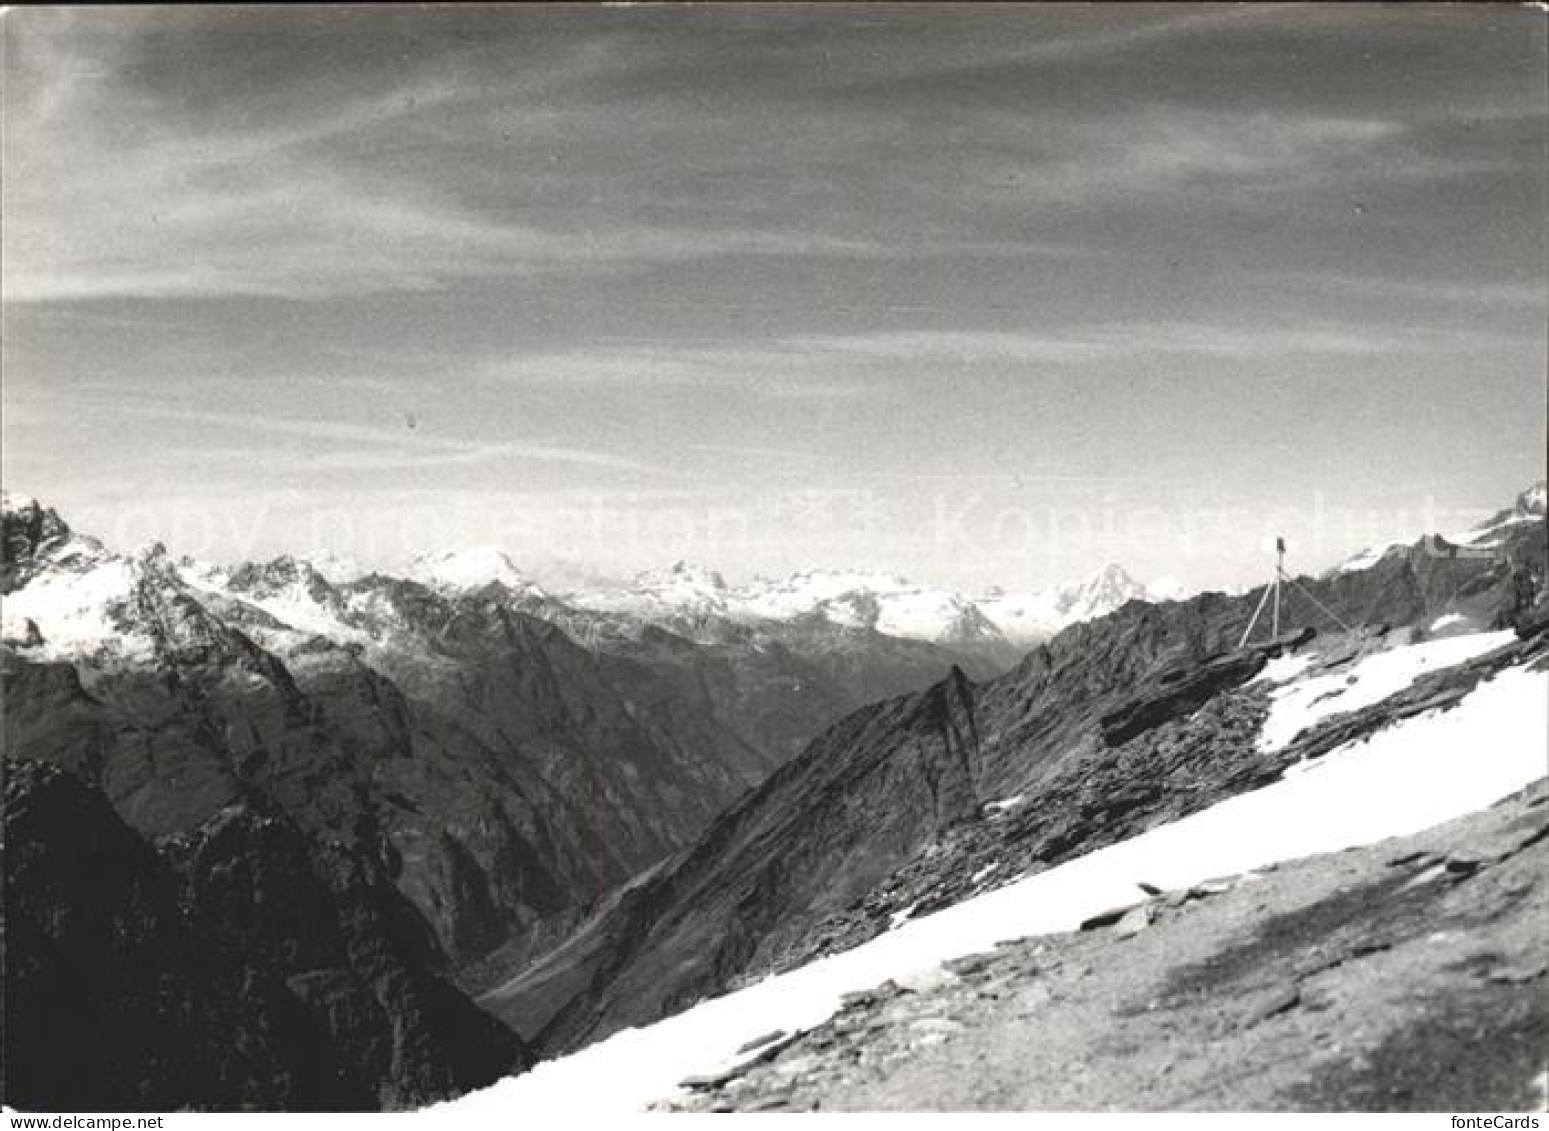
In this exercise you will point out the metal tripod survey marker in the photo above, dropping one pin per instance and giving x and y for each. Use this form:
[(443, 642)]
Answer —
[(1272, 590)]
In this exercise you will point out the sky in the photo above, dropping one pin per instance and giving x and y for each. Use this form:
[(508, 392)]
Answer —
[(977, 295)]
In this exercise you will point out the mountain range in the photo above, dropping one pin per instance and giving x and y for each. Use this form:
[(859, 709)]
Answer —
[(471, 759), (890, 604), (426, 828), (1113, 726)]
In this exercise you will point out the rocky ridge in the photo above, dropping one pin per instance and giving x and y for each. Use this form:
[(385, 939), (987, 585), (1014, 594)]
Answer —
[(836, 843)]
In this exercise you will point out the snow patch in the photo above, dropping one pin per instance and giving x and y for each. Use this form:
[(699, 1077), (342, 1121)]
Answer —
[(296, 608), (1362, 561), (1296, 706), (1283, 669), (74, 612)]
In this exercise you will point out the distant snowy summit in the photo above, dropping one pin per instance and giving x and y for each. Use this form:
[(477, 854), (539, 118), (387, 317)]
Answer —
[(472, 568), (886, 603), (1528, 507), (1029, 618), (66, 593)]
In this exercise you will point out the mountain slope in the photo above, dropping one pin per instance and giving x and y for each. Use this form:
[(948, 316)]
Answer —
[(469, 763), (890, 784), (1464, 742), (1406, 976), (508, 775)]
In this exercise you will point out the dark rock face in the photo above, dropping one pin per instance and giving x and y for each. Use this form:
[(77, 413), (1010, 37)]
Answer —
[(28, 533), (232, 968), (1182, 690)]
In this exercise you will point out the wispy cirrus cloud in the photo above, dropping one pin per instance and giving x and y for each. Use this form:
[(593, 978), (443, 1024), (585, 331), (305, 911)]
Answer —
[(115, 191), (789, 368), (364, 447), (1445, 292), (845, 365), (1123, 341), (682, 245), (112, 193), (1168, 154), (188, 220)]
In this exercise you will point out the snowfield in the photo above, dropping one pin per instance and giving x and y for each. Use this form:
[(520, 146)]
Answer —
[(1362, 561), (1418, 773), (1303, 702), (74, 612)]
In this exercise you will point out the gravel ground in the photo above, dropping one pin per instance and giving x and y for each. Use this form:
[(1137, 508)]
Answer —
[(1410, 975)]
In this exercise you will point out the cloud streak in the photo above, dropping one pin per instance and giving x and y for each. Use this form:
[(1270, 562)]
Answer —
[(113, 190), (683, 245), (824, 366), (390, 448), (109, 194)]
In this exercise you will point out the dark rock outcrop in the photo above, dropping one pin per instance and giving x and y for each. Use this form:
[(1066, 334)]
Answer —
[(29, 532), (233, 968), (1179, 690)]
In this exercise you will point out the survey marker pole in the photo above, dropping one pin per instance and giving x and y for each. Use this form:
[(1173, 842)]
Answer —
[(1274, 632)]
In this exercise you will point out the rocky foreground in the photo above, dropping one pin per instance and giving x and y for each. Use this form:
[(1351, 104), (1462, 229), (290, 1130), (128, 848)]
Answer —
[(1409, 975)]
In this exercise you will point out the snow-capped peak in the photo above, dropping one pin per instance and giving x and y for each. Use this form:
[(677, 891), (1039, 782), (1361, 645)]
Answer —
[(1534, 501), (1106, 590), (37, 541), (337, 569), (67, 596), (684, 589), (1529, 506), (1029, 617), (687, 577), (889, 603), (14, 502), (471, 568), (886, 602), (809, 590)]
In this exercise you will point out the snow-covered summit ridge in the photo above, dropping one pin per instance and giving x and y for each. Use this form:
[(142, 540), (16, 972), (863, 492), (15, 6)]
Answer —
[(471, 568), (1030, 617), (1529, 506), (300, 590), (13, 502), (886, 602)]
